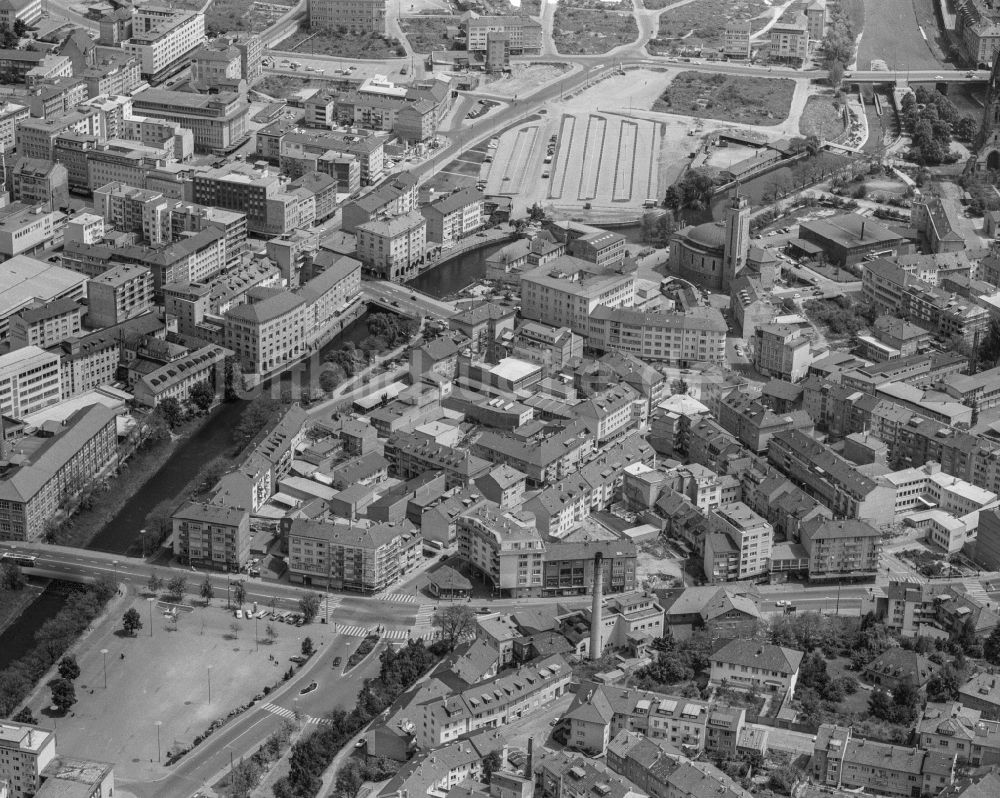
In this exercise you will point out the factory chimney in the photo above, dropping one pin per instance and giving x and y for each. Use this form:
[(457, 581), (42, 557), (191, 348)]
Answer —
[(530, 763), (596, 649)]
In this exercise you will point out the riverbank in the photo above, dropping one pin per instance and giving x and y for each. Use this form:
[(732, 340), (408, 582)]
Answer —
[(14, 602)]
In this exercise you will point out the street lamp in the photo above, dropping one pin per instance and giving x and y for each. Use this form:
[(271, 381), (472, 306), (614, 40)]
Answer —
[(158, 724), (209, 684), (142, 534), (150, 601), (256, 635), (104, 653), (114, 563)]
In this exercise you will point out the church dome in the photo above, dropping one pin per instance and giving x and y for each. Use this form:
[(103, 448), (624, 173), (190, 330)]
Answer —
[(711, 235)]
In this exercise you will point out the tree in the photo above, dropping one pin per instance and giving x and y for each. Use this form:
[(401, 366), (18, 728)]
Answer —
[(20, 28), (202, 395), (154, 583), (455, 623), (234, 629), (491, 764), (25, 716), (307, 647), (309, 606), (836, 74), (131, 621), (259, 413), (239, 593), (679, 386), (207, 591), (271, 632), (177, 586), (68, 669), (11, 577), (991, 647), (943, 685), (172, 411), (63, 694)]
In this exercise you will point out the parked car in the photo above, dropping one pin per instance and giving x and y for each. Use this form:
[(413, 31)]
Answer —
[(337, 661)]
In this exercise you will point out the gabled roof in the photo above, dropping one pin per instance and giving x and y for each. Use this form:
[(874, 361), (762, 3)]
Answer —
[(750, 653)]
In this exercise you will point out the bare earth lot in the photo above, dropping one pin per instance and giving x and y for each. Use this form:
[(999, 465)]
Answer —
[(344, 45), (892, 34), (821, 118), (705, 20), (730, 98), (161, 682), (584, 31), (427, 33), (524, 79)]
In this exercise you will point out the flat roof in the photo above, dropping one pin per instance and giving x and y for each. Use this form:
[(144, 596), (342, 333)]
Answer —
[(23, 278), (513, 369)]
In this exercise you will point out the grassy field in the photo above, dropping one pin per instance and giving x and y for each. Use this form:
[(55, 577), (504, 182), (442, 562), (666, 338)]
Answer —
[(344, 45), (223, 16), (731, 98), (892, 33), (822, 118), (584, 31), (427, 33), (706, 20)]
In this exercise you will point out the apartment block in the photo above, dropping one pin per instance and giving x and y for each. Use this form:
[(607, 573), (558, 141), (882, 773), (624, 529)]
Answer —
[(365, 559), (846, 762), (677, 339), (162, 38), (752, 665), (789, 40), (43, 324), (393, 248), (25, 751), (454, 217), (83, 448), (567, 290), (29, 381), (844, 549), (782, 351), (360, 16), (120, 293), (268, 332), (174, 380), (523, 35), (747, 534), (212, 536)]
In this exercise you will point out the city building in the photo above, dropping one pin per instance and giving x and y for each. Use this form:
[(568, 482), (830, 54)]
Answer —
[(175, 379), (163, 38), (843, 761), (848, 239), (737, 39), (738, 529), (83, 448), (752, 665), (36, 182), (268, 332), (25, 751), (13, 11), (847, 549), (522, 34), (122, 292), (782, 351), (393, 248), (358, 16), (714, 253), (567, 290), (212, 536), (43, 324), (360, 558), (29, 380), (789, 40), (452, 218), (673, 338), (218, 121), (977, 26)]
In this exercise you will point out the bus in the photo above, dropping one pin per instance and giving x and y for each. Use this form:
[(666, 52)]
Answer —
[(21, 560)]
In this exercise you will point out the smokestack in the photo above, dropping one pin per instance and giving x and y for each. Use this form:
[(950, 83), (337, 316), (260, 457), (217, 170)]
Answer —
[(596, 649), (530, 763), (863, 222), (5, 447)]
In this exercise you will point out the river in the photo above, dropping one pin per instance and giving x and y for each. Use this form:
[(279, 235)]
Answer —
[(454, 275)]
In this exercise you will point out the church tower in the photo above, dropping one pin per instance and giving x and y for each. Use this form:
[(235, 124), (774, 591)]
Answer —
[(737, 245), (987, 142)]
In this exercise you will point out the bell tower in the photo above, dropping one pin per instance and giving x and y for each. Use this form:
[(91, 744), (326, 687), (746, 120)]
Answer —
[(734, 254), (987, 142)]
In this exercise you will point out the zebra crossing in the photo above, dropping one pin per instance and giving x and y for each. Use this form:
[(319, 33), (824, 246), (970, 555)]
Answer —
[(290, 714), (399, 598), (425, 616), (276, 710), (353, 631), (364, 631)]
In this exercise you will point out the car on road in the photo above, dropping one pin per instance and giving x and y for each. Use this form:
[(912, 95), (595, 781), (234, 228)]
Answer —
[(782, 603), (298, 659), (308, 688), (337, 661)]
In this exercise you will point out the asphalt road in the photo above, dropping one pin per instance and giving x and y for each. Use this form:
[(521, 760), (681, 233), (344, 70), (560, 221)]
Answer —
[(408, 301), (353, 609)]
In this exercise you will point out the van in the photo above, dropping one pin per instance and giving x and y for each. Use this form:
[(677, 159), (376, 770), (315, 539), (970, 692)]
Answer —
[(650, 203), (238, 614)]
